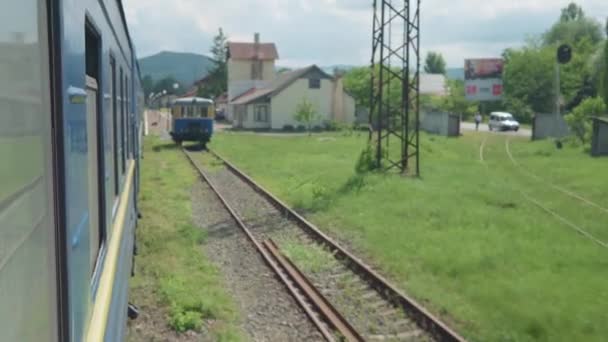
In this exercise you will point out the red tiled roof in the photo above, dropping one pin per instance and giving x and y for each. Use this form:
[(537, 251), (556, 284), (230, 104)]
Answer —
[(265, 51)]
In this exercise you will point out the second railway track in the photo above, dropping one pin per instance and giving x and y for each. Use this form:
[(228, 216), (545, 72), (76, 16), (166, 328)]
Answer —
[(345, 298)]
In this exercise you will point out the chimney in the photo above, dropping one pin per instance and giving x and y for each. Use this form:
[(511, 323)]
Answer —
[(256, 38)]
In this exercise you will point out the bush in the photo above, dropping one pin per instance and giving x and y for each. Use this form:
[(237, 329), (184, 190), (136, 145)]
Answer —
[(366, 162), (332, 125), (301, 128), (579, 120), (521, 111), (317, 129), (182, 321), (288, 128)]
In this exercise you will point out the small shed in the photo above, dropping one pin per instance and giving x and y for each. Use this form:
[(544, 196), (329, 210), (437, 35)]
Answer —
[(599, 142), (441, 123), (548, 125)]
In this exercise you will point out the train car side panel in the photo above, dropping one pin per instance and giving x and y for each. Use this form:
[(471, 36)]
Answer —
[(28, 305)]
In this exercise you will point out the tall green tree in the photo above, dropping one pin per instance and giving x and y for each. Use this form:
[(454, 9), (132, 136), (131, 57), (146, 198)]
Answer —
[(604, 69), (218, 76), (574, 26), (434, 63), (572, 12), (166, 84), (147, 84), (529, 77)]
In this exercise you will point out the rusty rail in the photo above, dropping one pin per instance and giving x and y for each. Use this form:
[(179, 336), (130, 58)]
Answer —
[(333, 316), (423, 318), (272, 261)]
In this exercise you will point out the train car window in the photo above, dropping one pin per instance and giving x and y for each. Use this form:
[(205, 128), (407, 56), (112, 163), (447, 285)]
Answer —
[(94, 129), (114, 127), (123, 162)]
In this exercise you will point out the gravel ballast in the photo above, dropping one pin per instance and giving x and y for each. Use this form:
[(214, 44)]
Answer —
[(267, 311)]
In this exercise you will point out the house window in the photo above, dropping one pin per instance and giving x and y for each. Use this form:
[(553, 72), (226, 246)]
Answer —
[(314, 83), (257, 70), (261, 113)]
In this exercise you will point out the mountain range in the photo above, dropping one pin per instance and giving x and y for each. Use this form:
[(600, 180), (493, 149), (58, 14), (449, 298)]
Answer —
[(185, 67), (188, 67)]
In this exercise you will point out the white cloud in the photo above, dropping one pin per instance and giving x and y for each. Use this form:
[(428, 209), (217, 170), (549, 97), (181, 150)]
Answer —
[(339, 31)]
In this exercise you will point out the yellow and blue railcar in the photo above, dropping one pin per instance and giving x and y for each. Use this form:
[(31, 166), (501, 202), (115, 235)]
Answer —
[(192, 120)]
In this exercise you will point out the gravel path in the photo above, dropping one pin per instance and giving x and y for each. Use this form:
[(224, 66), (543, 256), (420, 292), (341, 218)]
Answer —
[(371, 315), (268, 312)]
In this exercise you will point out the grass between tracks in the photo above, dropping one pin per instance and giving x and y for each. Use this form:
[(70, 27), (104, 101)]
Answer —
[(463, 239), (172, 272)]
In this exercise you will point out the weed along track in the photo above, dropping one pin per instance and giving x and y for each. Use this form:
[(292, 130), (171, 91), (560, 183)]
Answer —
[(342, 296)]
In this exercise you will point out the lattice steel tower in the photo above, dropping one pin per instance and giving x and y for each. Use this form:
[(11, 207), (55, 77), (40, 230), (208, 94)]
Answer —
[(395, 84)]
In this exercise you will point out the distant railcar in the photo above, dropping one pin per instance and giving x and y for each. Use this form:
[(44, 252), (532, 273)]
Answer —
[(70, 134), (192, 120)]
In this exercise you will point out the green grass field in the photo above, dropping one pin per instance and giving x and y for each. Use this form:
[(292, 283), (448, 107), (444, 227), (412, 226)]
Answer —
[(173, 274), (466, 239)]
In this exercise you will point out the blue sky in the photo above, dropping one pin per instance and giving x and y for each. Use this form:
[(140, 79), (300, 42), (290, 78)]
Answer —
[(328, 32)]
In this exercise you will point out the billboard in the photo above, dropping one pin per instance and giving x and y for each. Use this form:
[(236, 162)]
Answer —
[(483, 79)]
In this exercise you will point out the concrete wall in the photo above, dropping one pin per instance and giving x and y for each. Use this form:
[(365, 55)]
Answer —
[(599, 144), (349, 109), (284, 103), (343, 105), (440, 123), (549, 125)]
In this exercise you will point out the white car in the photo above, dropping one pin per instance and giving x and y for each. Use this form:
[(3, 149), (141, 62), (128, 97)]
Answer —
[(501, 121)]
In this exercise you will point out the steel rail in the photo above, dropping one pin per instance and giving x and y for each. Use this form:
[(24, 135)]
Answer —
[(423, 318), (268, 258), (333, 316)]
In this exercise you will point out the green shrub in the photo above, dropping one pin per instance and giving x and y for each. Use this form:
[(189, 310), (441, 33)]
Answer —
[(288, 128), (366, 161), (332, 125), (579, 120), (301, 128), (182, 321)]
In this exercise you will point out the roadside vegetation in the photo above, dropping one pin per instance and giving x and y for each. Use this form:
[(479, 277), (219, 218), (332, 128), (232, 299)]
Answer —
[(173, 274), (464, 239)]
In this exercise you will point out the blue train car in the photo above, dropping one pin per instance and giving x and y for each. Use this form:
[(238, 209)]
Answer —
[(192, 120), (69, 146)]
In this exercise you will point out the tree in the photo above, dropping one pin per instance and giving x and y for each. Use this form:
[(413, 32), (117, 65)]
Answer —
[(603, 72), (572, 27), (357, 81), (166, 84), (529, 77), (434, 64), (218, 76), (579, 120), (572, 12), (306, 114), (147, 84)]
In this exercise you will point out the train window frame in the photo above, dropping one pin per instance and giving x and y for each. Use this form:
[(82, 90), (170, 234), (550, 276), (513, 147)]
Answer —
[(123, 161), (127, 117), (93, 60), (114, 127)]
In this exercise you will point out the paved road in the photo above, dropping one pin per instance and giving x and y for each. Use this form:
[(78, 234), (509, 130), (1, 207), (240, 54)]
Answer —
[(470, 126)]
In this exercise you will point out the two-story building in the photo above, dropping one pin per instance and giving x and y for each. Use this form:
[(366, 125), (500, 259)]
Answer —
[(261, 98)]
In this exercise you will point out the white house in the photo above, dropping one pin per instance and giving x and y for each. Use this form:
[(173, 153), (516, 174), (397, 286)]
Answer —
[(259, 98)]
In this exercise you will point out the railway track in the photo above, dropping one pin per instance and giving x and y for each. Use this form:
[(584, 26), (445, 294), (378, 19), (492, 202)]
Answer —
[(347, 301)]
